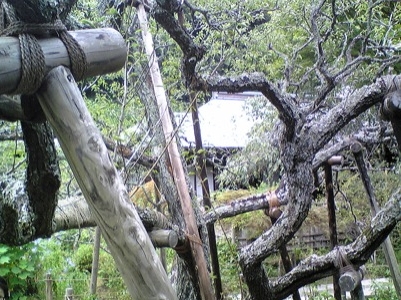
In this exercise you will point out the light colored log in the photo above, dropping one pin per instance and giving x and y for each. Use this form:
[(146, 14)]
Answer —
[(95, 261), (105, 51), (103, 188), (197, 252), (240, 206), (72, 213), (69, 294), (350, 280), (335, 160), (164, 238)]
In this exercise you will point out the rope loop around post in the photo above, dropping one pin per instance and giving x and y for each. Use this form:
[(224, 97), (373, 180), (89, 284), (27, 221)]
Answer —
[(32, 64), (32, 56), (341, 260)]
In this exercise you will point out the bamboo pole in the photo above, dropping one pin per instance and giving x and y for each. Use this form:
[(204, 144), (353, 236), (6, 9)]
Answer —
[(197, 252)]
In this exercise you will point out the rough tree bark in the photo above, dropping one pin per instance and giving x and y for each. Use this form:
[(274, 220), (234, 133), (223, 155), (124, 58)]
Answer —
[(304, 137)]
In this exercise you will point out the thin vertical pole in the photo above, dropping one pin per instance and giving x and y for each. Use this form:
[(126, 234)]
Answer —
[(49, 284), (331, 208)]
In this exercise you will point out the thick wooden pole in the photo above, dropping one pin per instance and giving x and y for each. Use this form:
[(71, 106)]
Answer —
[(105, 51), (389, 253), (103, 188), (176, 163), (207, 203), (351, 281), (95, 261), (331, 208)]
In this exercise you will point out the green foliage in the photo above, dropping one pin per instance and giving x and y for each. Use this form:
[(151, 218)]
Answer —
[(12, 151), (229, 268), (383, 291), (18, 267), (259, 159), (319, 295), (83, 257), (67, 257), (385, 184)]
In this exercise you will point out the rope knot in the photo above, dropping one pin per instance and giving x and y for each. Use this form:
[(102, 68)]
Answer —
[(33, 64)]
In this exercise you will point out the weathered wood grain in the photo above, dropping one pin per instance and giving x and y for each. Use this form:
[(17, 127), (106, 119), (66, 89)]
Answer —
[(103, 188), (105, 51)]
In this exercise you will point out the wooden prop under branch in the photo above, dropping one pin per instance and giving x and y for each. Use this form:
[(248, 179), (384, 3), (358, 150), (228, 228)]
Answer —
[(105, 51), (103, 188)]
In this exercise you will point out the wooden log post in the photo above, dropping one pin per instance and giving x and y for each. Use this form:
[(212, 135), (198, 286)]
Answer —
[(49, 286), (351, 281), (197, 252), (95, 261), (389, 253), (331, 208), (103, 188), (164, 238), (69, 294), (105, 51)]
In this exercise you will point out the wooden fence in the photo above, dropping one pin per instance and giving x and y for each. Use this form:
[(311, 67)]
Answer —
[(306, 238), (69, 292)]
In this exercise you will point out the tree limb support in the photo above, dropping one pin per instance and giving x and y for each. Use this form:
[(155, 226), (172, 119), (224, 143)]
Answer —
[(331, 208), (389, 253), (103, 188), (196, 246)]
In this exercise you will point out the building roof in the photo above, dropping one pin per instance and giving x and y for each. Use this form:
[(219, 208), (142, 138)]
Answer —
[(224, 122)]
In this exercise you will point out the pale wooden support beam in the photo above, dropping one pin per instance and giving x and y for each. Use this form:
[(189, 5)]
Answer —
[(105, 51), (335, 160), (164, 238), (196, 246), (49, 286), (103, 188), (69, 294)]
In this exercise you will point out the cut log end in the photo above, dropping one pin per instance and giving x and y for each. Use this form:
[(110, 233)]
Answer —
[(350, 280)]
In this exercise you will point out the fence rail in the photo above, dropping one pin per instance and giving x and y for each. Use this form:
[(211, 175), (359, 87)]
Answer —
[(311, 238), (69, 292)]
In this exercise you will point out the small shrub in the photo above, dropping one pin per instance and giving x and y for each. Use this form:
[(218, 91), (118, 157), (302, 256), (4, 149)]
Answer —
[(17, 266), (383, 291)]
